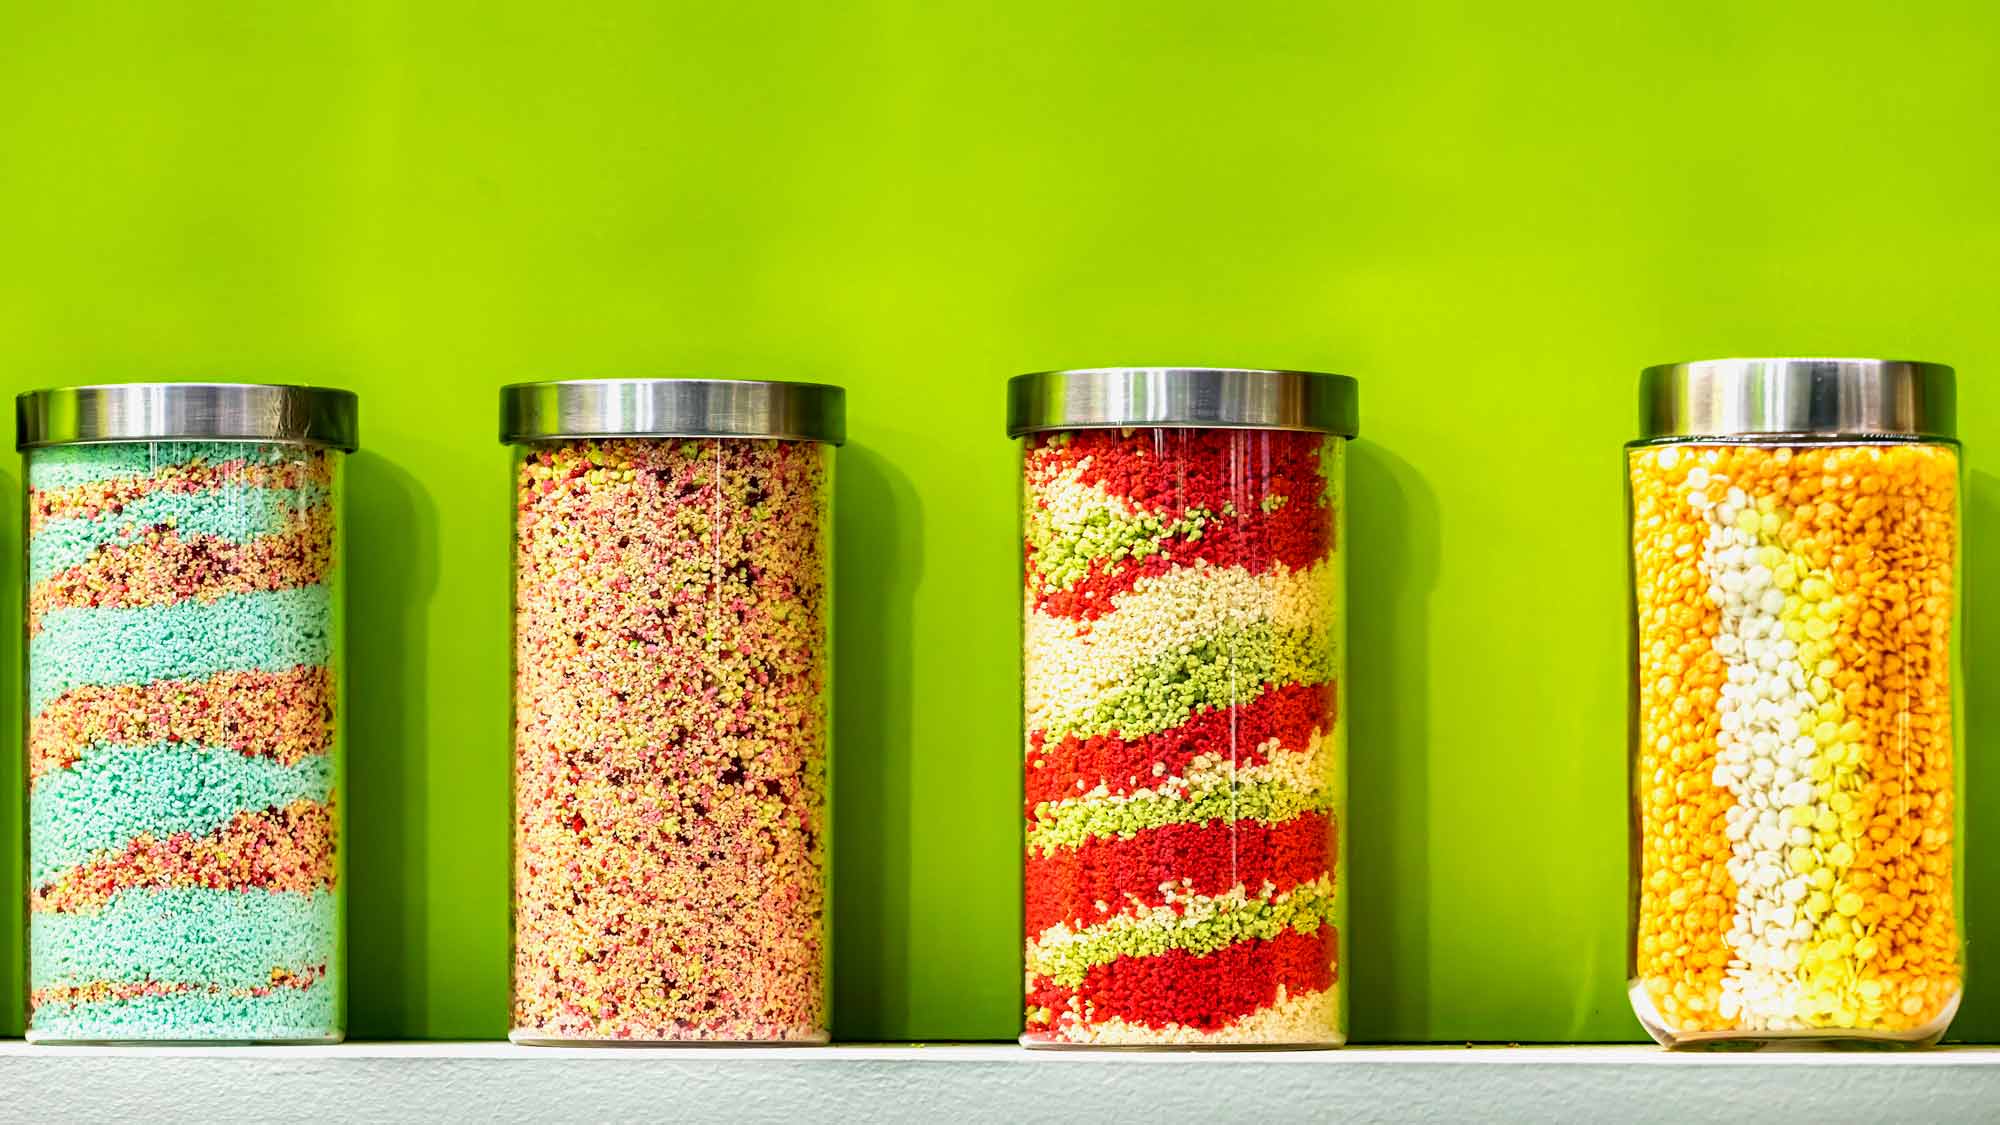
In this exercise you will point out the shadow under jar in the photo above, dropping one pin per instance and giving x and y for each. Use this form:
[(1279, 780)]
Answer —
[(672, 640), (1796, 788), (184, 601), (1184, 752)]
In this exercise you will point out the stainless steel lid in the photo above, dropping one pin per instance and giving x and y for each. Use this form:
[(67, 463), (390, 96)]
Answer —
[(187, 412), (1225, 397), (694, 408), (1801, 397)]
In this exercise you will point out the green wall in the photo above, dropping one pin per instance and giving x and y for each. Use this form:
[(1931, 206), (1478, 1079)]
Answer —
[(1492, 214)]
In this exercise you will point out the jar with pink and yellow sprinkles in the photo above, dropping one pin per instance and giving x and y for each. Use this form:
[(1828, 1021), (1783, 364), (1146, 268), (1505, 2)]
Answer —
[(1184, 748), (672, 617), (1797, 789)]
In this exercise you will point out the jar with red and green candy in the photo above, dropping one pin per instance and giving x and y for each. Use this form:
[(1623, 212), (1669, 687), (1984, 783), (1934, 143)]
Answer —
[(1183, 738)]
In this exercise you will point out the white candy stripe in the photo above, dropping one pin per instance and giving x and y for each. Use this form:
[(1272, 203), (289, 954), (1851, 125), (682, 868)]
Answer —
[(1307, 1017), (1084, 523), (1775, 740), (1071, 664)]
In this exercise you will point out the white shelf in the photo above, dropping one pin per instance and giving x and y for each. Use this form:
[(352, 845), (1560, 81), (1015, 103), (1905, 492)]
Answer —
[(985, 1083)]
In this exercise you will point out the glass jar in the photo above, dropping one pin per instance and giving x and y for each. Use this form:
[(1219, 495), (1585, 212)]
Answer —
[(1183, 646), (1796, 791), (672, 639), (184, 595)]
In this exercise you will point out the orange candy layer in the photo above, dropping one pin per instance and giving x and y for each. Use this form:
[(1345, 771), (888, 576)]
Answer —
[(162, 566), (288, 849), (284, 716)]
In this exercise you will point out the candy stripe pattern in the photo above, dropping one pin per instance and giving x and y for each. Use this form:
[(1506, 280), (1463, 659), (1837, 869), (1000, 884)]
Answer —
[(1183, 743), (1795, 764), (670, 741), (183, 864)]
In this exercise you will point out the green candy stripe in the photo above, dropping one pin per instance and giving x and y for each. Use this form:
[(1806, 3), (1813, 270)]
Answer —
[(1207, 927), (1224, 670), (1065, 549), (1067, 824)]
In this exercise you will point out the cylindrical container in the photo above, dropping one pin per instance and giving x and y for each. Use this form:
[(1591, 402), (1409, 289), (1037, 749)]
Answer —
[(184, 604), (1185, 754), (672, 645), (1796, 793)]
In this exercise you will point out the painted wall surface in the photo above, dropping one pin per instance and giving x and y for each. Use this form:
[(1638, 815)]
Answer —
[(1492, 214)]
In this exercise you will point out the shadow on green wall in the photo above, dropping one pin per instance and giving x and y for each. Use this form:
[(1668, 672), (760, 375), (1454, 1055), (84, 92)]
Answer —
[(389, 587), (878, 551), (1979, 758), (1392, 545)]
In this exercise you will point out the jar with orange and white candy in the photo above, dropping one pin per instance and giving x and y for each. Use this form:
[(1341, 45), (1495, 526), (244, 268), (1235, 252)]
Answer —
[(1795, 530)]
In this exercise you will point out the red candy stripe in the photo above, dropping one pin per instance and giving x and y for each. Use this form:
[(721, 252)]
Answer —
[(1289, 714), (1067, 885), (1172, 470), (1205, 993)]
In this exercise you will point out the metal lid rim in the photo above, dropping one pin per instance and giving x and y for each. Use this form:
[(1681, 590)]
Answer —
[(672, 407), (261, 413), (1246, 398), (1797, 397)]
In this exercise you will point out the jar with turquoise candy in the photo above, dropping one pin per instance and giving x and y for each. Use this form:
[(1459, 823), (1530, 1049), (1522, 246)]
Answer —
[(1183, 743), (184, 726)]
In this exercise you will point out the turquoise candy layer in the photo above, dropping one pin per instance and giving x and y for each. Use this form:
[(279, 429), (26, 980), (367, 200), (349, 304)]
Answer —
[(230, 939), (236, 512), (286, 1013), (114, 793), (62, 466), (266, 631)]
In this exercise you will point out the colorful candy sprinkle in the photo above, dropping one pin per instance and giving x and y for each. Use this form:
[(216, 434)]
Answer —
[(182, 823), (670, 836), (1182, 635)]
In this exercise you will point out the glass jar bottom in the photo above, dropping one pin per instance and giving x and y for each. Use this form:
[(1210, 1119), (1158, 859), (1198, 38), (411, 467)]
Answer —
[(1034, 1043), (318, 1040), (1816, 1038), (530, 1037)]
